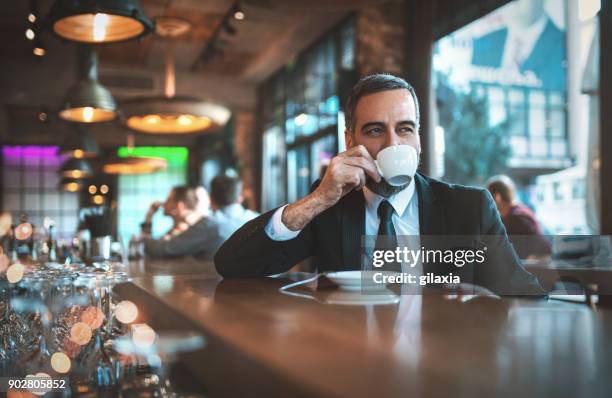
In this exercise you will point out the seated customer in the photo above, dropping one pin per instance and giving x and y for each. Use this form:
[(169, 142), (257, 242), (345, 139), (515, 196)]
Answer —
[(352, 200), (226, 200), (521, 225), (193, 234)]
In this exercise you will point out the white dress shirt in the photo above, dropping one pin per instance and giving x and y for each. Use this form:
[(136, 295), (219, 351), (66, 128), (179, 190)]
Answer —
[(232, 217), (405, 218)]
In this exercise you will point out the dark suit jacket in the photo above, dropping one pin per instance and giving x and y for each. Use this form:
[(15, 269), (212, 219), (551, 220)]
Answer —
[(333, 238), (201, 240)]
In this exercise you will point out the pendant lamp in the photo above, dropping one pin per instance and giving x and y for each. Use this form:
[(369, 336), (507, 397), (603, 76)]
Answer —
[(76, 168), (80, 143), (172, 114), (98, 21), (71, 184), (88, 101), (134, 164)]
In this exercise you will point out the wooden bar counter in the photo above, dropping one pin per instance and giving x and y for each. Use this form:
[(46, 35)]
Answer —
[(262, 342)]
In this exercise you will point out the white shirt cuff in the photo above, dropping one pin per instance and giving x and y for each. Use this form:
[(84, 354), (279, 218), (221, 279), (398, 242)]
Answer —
[(278, 231)]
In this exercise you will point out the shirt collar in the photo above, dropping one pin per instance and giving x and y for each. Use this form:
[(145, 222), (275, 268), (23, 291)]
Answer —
[(399, 201), (233, 210), (193, 218)]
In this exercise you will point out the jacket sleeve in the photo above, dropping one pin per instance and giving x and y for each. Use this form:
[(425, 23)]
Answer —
[(201, 240), (503, 272), (250, 252)]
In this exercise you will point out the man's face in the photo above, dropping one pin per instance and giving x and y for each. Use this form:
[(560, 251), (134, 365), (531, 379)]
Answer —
[(382, 120), (385, 119), (171, 206)]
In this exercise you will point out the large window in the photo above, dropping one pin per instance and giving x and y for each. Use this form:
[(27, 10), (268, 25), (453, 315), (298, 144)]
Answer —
[(30, 187), (137, 192), (508, 95), (300, 117)]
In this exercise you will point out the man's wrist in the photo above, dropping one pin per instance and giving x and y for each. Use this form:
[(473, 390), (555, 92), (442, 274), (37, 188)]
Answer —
[(146, 227), (297, 215)]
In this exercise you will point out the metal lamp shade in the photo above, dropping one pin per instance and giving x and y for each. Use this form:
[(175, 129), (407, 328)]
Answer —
[(134, 165), (98, 21), (175, 115), (71, 184), (80, 144), (88, 102), (76, 168)]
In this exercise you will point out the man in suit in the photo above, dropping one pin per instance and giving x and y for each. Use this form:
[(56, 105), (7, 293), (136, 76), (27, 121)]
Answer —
[(193, 234), (226, 200), (352, 200)]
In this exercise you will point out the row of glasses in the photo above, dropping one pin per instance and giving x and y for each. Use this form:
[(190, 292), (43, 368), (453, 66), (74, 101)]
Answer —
[(60, 320)]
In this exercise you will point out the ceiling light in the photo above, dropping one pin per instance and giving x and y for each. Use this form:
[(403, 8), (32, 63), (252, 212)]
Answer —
[(80, 143), (31, 18), (71, 184), (239, 15), (38, 51), (76, 168), (88, 101), (30, 34), (98, 21), (172, 114), (134, 165), (124, 162)]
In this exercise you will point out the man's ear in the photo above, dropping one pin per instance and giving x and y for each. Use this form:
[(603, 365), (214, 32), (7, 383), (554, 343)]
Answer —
[(348, 139)]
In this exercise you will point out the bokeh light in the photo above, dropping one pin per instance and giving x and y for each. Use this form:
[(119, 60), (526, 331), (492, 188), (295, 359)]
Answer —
[(60, 362), (143, 335), (14, 273), (41, 392), (126, 312), (23, 231), (80, 333), (4, 263), (93, 317), (5, 223)]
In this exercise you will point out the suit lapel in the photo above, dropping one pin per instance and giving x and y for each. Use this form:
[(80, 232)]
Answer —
[(431, 219), (353, 227), (431, 212)]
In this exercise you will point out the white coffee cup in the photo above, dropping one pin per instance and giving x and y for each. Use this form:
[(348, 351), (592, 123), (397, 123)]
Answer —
[(397, 164)]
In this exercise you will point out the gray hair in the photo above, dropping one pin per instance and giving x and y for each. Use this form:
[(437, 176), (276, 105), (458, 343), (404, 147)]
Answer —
[(374, 84)]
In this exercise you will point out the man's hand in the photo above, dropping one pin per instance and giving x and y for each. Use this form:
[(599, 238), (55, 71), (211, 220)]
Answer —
[(151, 212), (347, 171)]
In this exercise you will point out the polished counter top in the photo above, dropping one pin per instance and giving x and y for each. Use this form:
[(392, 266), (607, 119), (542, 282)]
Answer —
[(262, 342)]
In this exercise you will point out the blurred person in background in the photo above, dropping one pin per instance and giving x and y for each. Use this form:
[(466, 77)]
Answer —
[(520, 222), (193, 234), (203, 200), (226, 201)]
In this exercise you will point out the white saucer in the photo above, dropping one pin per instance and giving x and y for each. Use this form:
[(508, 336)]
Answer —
[(356, 280)]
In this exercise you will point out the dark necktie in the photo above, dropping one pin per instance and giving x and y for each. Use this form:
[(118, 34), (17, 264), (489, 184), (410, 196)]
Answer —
[(387, 231), (385, 214)]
